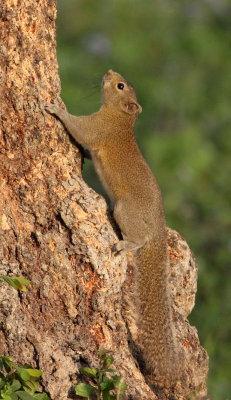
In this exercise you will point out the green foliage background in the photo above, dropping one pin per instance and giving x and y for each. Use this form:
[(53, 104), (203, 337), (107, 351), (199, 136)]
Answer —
[(177, 54)]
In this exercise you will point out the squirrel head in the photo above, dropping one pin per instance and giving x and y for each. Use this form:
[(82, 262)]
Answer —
[(119, 95)]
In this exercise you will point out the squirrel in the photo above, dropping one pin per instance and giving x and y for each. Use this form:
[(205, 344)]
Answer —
[(139, 213)]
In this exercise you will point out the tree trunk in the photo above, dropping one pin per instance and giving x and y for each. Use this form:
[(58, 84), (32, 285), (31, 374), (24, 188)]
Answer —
[(57, 232)]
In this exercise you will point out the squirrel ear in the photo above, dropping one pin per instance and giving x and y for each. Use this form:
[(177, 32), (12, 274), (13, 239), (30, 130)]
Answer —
[(130, 107)]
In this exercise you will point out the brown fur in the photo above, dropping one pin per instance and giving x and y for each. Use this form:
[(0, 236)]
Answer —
[(138, 210)]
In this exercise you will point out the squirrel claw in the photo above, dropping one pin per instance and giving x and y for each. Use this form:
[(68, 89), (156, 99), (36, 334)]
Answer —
[(51, 108), (114, 249)]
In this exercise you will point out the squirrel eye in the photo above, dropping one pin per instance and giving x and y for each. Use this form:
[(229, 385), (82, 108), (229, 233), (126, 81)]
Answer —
[(120, 86)]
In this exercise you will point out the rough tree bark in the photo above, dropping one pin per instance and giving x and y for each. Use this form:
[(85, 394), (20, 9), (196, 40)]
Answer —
[(57, 232)]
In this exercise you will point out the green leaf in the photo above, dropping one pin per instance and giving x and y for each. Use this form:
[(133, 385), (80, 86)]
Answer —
[(107, 362), (33, 372), (116, 379), (9, 280), (84, 390), (2, 381), (16, 282), (26, 366), (6, 390), (102, 353), (21, 283), (15, 385), (7, 363), (25, 376), (90, 372), (30, 386), (6, 397), (24, 395), (41, 396), (29, 374), (120, 384), (108, 396), (14, 396), (107, 384)]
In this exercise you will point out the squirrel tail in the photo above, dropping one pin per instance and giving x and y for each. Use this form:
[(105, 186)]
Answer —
[(163, 363)]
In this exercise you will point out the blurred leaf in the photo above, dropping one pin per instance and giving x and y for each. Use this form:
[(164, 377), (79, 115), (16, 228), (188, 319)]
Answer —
[(6, 397), (107, 362), (14, 396), (120, 384), (6, 362), (24, 395), (102, 353), (30, 386), (10, 281), (15, 385), (25, 376), (107, 384), (90, 372), (16, 282), (33, 372), (84, 390), (108, 396), (41, 396)]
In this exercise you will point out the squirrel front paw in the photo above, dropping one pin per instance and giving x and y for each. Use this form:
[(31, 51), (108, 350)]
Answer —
[(115, 248), (52, 109)]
